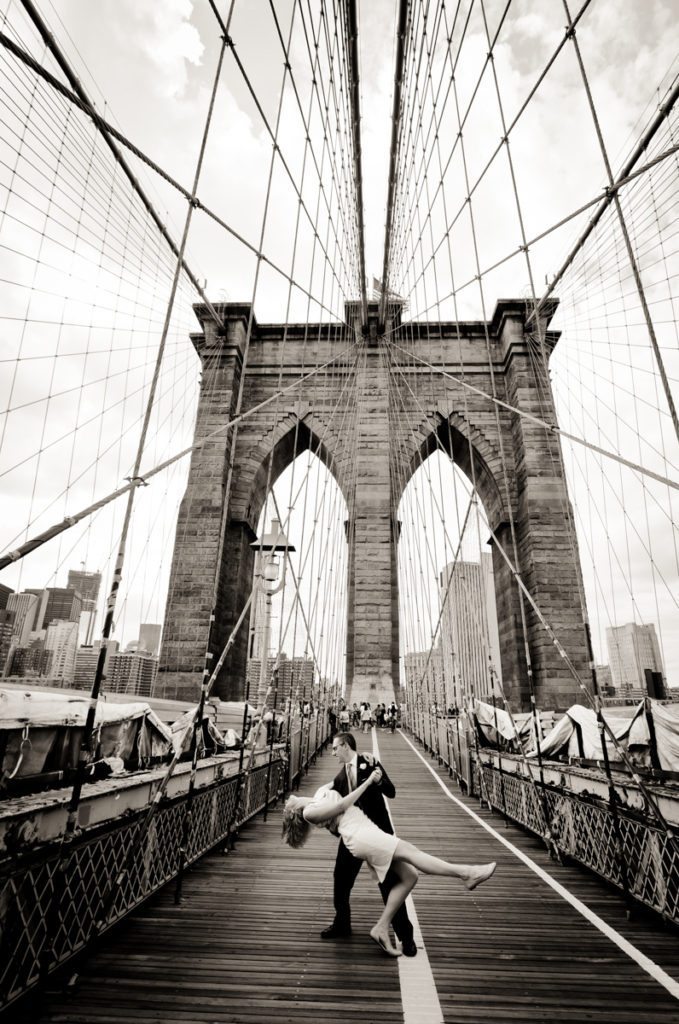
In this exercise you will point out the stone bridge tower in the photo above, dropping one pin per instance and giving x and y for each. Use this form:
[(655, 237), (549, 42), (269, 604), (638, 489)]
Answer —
[(213, 542)]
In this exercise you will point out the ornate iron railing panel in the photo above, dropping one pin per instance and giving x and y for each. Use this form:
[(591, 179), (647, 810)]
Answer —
[(446, 738), (636, 856), (54, 903)]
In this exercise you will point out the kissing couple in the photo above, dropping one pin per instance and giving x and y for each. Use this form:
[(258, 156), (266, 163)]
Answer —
[(353, 807)]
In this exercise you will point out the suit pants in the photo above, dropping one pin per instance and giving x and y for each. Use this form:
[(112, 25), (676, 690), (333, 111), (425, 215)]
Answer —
[(347, 868)]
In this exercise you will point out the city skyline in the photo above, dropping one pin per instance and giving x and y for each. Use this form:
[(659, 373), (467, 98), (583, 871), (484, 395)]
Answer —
[(41, 632)]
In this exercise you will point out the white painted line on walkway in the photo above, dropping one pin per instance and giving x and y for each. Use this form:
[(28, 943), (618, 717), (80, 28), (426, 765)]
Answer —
[(646, 964), (418, 989)]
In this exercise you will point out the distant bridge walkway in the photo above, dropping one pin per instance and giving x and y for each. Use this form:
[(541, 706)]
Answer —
[(539, 942)]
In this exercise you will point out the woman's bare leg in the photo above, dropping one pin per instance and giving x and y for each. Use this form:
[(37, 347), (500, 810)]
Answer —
[(407, 880), (471, 874)]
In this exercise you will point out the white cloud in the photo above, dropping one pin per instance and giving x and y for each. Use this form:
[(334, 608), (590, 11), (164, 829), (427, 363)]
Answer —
[(163, 34)]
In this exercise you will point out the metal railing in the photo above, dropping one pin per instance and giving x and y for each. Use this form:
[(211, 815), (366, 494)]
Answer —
[(447, 739), (56, 901), (633, 854)]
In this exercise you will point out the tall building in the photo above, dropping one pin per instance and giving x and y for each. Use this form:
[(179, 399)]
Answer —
[(6, 636), (25, 607), (32, 660), (133, 672), (149, 637), (424, 676), (61, 639), (4, 595), (632, 648), (56, 603), (86, 659), (469, 631), (87, 584), (42, 595), (295, 678), (63, 605), (604, 679)]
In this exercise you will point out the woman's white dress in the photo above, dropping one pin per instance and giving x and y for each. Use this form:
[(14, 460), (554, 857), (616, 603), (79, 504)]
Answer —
[(361, 836)]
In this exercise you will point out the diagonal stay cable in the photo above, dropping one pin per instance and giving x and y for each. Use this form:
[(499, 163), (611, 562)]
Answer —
[(273, 136), (604, 203), (108, 130), (552, 428), (522, 109), (86, 742), (89, 108), (649, 798), (141, 479)]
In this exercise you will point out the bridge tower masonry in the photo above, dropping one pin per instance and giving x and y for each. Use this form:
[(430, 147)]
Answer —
[(213, 562), (373, 635)]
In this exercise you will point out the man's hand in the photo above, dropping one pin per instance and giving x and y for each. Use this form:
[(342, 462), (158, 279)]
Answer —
[(376, 776)]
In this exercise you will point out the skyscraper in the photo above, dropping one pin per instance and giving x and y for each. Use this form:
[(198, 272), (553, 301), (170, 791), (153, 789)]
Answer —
[(133, 672), (424, 675), (632, 648), (56, 603), (5, 593), (87, 585), (32, 660), (62, 640), (86, 663), (295, 678), (149, 637), (469, 632), (42, 596), (25, 607), (6, 635)]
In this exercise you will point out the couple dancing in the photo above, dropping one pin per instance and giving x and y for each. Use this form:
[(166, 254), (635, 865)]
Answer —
[(353, 807)]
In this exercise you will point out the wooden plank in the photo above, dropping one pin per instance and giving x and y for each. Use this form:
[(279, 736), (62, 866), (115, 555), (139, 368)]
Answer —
[(514, 950), (244, 945)]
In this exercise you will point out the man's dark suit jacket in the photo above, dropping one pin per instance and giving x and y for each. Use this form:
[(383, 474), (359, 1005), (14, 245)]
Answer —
[(372, 802)]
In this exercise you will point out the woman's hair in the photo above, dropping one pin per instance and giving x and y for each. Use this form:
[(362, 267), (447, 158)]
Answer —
[(296, 828)]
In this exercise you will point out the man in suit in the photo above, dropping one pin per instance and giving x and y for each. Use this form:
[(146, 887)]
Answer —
[(355, 770)]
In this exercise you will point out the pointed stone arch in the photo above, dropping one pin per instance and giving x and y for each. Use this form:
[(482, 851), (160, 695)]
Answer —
[(212, 548), (297, 432), (470, 449)]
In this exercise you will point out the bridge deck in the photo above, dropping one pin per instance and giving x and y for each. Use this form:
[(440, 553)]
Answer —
[(244, 945)]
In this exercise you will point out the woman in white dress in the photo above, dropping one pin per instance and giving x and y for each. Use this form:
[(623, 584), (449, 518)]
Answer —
[(341, 816)]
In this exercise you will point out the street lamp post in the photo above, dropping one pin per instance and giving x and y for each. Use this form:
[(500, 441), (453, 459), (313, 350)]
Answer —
[(269, 547)]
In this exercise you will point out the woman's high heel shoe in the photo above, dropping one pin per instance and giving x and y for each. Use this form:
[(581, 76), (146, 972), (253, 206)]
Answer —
[(384, 943), (482, 874)]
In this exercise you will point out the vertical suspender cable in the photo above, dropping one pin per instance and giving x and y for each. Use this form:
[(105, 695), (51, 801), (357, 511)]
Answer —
[(117, 574), (74, 82), (403, 12), (355, 109)]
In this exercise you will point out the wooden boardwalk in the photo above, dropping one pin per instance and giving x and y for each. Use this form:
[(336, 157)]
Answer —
[(244, 945)]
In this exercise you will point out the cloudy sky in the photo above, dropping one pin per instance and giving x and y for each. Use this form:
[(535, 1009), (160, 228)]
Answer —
[(149, 67)]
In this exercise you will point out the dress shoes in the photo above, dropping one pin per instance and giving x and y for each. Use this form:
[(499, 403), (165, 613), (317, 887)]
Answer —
[(336, 932), (409, 948)]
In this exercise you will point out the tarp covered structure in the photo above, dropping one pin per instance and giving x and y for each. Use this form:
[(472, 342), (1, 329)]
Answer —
[(210, 739), (666, 728), (493, 721), (577, 733), (230, 714), (629, 725), (41, 732)]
